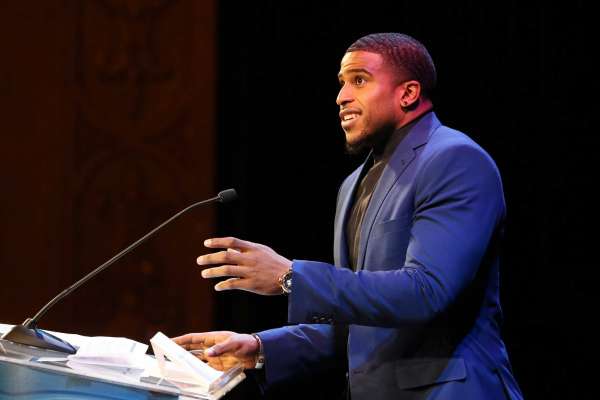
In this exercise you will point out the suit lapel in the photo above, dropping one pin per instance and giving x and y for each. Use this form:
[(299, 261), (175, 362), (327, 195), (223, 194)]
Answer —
[(400, 159)]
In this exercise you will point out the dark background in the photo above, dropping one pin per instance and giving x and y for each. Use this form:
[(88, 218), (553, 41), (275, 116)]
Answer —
[(118, 113), (518, 77)]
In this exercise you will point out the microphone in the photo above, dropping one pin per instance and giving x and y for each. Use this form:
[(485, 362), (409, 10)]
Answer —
[(28, 334)]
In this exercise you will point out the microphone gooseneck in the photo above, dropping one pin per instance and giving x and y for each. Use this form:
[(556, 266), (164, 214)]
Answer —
[(28, 334)]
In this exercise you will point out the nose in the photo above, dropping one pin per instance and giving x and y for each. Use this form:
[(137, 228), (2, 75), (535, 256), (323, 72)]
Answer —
[(344, 96)]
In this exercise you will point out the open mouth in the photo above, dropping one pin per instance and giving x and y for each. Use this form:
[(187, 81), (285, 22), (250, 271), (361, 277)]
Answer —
[(348, 118)]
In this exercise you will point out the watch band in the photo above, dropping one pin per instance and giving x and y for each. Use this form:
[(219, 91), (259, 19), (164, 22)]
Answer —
[(260, 358)]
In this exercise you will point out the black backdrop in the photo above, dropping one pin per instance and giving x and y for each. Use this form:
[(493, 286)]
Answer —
[(516, 77)]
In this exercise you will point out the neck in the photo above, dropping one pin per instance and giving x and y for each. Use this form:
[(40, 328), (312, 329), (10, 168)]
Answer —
[(389, 141)]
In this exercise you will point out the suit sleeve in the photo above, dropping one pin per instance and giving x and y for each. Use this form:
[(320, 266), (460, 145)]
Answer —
[(302, 351), (458, 206)]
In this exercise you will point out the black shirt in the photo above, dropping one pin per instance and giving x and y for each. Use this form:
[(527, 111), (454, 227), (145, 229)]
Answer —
[(374, 166)]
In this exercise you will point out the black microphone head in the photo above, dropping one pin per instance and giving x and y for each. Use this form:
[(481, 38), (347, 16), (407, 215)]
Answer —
[(227, 195)]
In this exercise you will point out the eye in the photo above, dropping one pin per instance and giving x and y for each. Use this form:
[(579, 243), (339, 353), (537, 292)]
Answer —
[(359, 81)]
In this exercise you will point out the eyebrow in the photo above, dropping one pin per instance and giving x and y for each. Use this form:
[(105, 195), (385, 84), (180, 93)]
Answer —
[(354, 70)]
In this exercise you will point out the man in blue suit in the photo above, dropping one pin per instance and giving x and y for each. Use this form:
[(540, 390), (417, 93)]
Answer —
[(417, 232)]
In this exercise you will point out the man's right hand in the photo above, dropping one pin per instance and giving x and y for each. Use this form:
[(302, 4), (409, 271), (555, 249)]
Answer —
[(222, 349)]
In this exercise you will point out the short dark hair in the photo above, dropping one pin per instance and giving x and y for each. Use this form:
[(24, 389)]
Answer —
[(408, 56)]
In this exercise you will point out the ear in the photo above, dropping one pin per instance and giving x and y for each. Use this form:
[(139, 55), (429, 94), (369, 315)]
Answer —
[(408, 94)]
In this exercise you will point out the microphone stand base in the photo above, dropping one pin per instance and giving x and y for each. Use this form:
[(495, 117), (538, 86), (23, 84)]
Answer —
[(38, 338)]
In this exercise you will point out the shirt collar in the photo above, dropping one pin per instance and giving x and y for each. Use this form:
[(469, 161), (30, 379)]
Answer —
[(384, 152)]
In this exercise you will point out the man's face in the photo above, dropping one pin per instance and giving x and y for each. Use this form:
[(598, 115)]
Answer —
[(368, 112)]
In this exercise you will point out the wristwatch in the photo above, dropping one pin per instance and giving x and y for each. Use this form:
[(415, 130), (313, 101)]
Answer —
[(285, 281), (260, 357)]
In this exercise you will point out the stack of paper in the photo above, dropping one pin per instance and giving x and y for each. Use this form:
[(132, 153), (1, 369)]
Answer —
[(110, 352)]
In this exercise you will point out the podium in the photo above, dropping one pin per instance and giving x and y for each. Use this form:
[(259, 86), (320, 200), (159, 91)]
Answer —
[(24, 375)]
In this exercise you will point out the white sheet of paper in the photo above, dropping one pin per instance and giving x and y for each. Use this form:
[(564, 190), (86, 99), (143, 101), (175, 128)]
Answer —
[(111, 352)]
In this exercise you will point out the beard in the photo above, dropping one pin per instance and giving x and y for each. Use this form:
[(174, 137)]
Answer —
[(357, 148), (374, 140)]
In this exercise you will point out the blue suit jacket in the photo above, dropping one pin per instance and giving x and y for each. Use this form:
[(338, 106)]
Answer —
[(423, 309)]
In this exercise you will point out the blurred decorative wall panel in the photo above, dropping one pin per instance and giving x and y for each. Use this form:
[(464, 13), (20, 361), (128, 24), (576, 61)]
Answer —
[(108, 130)]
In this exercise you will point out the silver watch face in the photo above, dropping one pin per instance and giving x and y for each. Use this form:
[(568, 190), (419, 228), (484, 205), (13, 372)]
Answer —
[(286, 283)]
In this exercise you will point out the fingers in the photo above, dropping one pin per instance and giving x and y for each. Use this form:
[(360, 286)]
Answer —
[(216, 363), (226, 270), (233, 283), (190, 339), (228, 242), (193, 341), (229, 256), (223, 363), (228, 346)]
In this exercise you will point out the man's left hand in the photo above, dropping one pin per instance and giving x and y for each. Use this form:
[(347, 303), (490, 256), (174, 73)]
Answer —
[(252, 266)]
